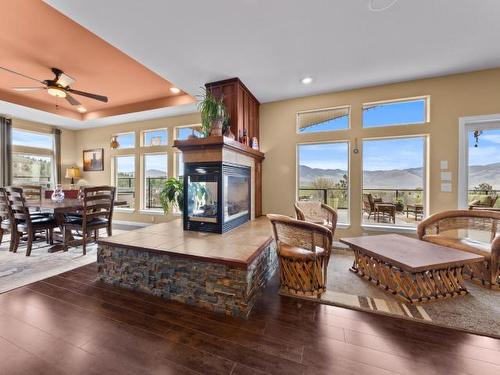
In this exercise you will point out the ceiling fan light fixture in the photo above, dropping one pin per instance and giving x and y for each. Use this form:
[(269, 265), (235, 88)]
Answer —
[(56, 91), (175, 90), (306, 80)]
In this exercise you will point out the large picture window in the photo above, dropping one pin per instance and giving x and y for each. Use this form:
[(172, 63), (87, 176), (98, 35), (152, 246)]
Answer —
[(155, 175), (323, 175), (394, 181), (125, 179), (32, 158), (397, 112)]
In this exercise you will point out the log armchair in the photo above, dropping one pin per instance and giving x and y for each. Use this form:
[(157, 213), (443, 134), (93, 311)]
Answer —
[(316, 212), (473, 231), (304, 252)]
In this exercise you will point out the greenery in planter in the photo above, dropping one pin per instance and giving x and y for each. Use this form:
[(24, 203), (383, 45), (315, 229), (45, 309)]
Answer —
[(172, 195), (400, 204), (211, 109)]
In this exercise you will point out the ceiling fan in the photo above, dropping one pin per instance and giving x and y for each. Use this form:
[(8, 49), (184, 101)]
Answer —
[(59, 87)]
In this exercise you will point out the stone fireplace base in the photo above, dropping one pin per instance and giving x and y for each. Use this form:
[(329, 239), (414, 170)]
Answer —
[(221, 273)]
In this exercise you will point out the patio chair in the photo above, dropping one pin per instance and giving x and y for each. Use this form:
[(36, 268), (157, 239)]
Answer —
[(376, 206), (476, 232), (304, 252), (486, 201), (97, 213), (26, 223), (318, 213)]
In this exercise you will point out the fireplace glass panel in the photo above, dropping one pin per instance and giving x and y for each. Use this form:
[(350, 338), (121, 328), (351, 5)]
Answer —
[(236, 197), (202, 198)]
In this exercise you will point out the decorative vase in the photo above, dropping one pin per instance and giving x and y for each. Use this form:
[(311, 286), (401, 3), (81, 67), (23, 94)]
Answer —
[(57, 194), (216, 130), (229, 133)]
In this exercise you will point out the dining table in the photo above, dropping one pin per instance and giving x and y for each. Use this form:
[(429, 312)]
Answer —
[(60, 209)]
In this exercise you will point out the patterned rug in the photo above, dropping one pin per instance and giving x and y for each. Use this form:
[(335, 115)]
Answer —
[(16, 269), (478, 312)]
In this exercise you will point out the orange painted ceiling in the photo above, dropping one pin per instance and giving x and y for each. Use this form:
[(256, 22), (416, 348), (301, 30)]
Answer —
[(35, 37)]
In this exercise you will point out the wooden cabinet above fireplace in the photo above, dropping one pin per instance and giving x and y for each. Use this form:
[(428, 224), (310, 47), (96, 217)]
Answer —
[(242, 106)]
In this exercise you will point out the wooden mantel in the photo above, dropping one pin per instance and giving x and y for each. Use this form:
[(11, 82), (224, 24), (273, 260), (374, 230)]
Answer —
[(215, 142)]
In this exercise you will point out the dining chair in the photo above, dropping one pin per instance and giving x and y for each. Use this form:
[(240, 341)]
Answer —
[(96, 214), (26, 223), (6, 220)]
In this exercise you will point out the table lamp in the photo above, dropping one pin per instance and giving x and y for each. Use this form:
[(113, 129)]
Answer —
[(73, 172)]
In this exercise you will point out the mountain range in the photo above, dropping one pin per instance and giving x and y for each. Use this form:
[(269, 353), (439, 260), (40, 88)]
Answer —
[(399, 178)]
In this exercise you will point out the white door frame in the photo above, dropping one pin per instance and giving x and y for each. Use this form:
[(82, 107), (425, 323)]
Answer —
[(465, 124)]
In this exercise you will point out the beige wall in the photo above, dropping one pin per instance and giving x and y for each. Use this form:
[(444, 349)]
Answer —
[(101, 137), (451, 97)]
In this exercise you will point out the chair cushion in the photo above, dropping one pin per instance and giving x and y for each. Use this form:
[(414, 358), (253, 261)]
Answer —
[(464, 244), (299, 253), (39, 221), (5, 223), (78, 220)]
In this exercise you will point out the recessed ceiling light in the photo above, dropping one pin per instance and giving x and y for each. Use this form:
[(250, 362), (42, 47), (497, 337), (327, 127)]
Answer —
[(82, 109), (380, 5), (175, 90), (306, 80)]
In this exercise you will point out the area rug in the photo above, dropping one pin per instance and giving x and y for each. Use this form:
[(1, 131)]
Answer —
[(16, 269), (478, 312)]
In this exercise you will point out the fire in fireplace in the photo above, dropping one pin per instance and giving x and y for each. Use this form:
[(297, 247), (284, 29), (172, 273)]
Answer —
[(216, 196)]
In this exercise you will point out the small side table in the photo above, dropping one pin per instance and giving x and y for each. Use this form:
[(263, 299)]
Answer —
[(384, 208), (416, 209)]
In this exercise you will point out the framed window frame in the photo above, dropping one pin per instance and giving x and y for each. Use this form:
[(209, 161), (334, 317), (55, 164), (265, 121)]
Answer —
[(346, 106), (427, 105), (143, 179), (143, 134)]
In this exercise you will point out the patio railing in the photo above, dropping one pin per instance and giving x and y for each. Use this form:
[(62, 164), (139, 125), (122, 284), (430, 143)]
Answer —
[(152, 189)]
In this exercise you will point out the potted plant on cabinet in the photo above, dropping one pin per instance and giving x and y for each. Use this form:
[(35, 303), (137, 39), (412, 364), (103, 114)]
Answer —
[(213, 114)]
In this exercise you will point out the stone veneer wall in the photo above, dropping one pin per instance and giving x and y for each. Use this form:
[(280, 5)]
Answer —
[(216, 287)]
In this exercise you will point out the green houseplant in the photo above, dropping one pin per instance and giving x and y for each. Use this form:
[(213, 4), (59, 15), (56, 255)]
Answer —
[(172, 195), (213, 114)]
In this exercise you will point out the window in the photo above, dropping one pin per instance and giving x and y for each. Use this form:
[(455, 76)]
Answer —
[(158, 137), (125, 180), (393, 181), (179, 168), (155, 175), (323, 175), (32, 158), (126, 140), (323, 120), (484, 167), (398, 112), (31, 139), (31, 169), (183, 132)]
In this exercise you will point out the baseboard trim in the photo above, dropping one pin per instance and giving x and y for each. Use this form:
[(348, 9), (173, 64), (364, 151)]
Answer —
[(133, 223)]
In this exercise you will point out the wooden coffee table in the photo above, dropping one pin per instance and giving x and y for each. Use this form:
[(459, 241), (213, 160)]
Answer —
[(413, 270)]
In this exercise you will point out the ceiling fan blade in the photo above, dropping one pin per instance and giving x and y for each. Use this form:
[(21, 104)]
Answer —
[(25, 89), (101, 98), (71, 100), (64, 80), (22, 75)]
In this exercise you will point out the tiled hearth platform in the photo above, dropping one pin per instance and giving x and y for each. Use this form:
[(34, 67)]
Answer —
[(222, 273)]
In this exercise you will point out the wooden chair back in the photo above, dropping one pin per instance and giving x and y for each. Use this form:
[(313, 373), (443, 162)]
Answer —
[(5, 211), (98, 202), (300, 233), (316, 212), (368, 202), (456, 220), (32, 192), (17, 203)]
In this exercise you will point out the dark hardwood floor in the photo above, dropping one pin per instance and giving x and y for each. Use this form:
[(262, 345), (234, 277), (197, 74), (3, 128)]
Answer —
[(73, 324)]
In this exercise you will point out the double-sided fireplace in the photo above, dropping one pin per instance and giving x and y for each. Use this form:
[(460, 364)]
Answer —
[(217, 196)]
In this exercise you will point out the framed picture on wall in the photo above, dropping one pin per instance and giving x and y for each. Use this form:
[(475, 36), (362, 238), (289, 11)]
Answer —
[(93, 160)]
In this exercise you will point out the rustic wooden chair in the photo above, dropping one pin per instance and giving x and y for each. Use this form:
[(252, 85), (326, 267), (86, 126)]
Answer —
[(316, 212), (304, 250), (26, 223), (6, 220), (473, 231), (97, 213)]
